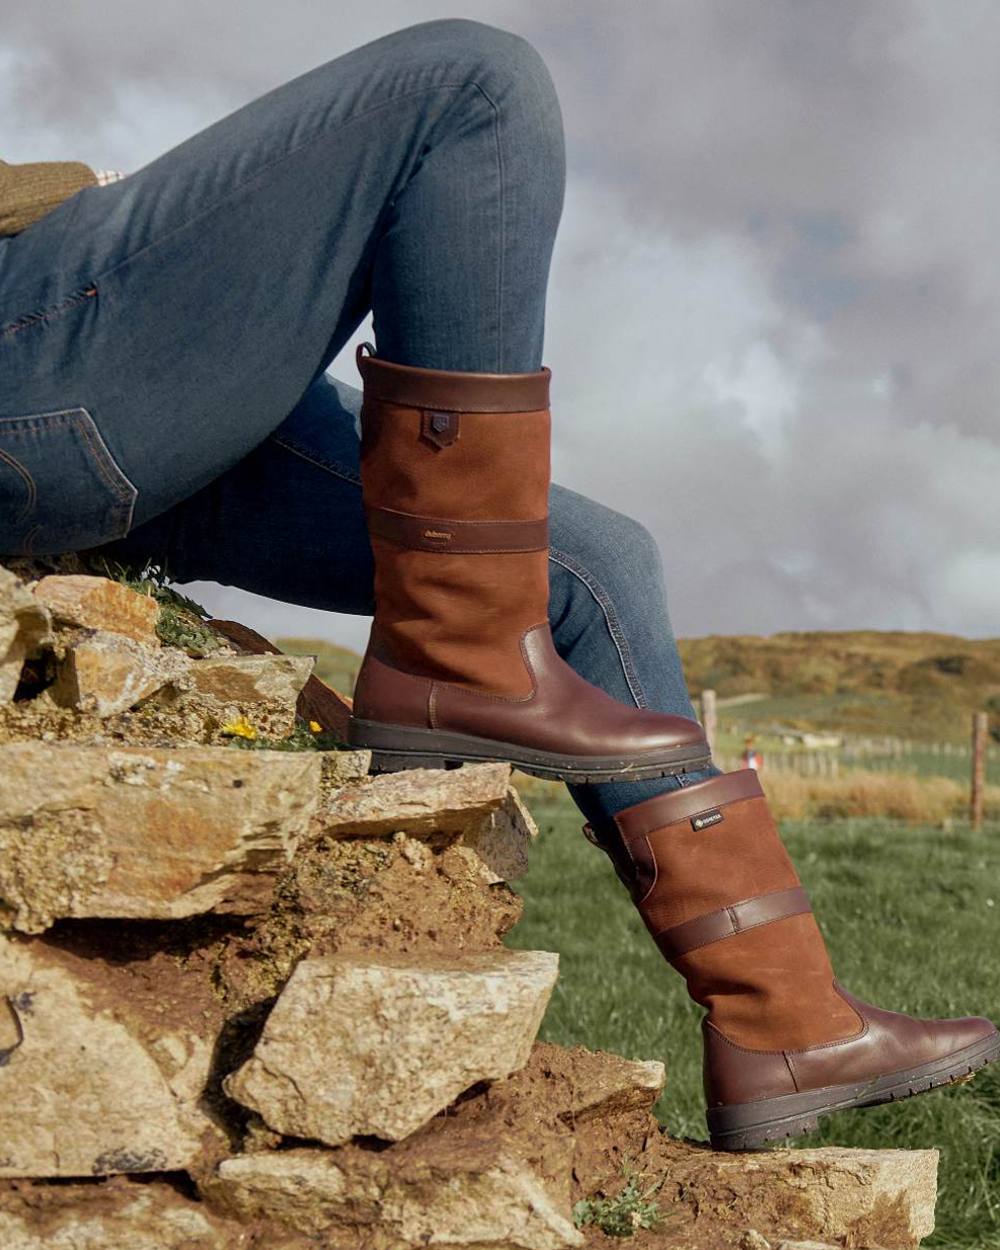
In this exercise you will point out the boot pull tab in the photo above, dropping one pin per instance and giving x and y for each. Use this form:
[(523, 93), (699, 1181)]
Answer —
[(438, 428)]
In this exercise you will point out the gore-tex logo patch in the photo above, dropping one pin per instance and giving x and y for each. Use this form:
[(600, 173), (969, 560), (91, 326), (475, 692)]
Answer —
[(706, 819)]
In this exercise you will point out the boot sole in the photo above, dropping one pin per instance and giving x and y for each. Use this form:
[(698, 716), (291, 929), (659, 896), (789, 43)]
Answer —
[(397, 747), (751, 1125)]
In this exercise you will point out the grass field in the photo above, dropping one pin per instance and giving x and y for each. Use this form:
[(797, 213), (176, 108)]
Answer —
[(911, 917)]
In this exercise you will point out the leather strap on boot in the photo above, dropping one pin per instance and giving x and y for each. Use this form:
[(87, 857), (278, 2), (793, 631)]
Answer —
[(728, 921), (721, 898), (424, 533)]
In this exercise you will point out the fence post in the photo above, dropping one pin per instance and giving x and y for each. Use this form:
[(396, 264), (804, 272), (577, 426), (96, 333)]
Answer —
[(980, 726), (709, 718)]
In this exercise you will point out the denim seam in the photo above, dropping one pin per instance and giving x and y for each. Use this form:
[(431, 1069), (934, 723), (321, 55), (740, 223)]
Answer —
[(501, 250), (320, 134), (604, 601), (337, 470)]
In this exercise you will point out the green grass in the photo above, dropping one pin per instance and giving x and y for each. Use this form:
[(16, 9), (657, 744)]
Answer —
[(911, 917)]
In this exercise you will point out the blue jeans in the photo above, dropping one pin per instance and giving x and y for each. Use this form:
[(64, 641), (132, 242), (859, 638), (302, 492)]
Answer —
[(164, 340)]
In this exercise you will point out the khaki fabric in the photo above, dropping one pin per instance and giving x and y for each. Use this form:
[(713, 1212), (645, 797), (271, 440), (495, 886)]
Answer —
[(29, 191)]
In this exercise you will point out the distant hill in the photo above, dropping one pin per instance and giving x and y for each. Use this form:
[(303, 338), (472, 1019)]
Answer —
[(865, 681), (920, 686), (337, 666)]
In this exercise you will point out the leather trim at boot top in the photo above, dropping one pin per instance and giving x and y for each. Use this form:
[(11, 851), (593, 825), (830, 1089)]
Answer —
[(689, 802), (452, 391)]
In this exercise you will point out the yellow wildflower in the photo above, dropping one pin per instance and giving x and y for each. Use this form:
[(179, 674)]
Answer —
[(315, 726), (239, 728)]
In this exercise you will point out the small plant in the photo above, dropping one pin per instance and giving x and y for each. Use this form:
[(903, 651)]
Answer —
[(240, 728), (623, 1215), (243, 735), (180, 620)]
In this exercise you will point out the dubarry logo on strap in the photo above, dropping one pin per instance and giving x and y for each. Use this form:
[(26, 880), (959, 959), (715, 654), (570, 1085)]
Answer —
[(706, 819)]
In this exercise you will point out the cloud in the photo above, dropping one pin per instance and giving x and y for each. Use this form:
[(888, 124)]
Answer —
[(774, 311)]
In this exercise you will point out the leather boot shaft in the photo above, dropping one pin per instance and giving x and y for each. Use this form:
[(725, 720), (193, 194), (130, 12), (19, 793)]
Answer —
[(455, 478), (461, 664), (721, 897)]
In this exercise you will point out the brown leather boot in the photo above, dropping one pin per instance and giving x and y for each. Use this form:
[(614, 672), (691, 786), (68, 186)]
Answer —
[(460, 663), (784, 1043)]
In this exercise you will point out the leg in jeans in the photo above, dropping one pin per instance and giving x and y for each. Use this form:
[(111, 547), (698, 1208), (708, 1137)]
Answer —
[(423, 174), (188, 307), (304, 540)]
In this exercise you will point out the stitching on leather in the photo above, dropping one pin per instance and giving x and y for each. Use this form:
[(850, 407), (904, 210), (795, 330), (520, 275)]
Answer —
[(458, 550), (802, 1050), (669, 794), (328, 466), (445, 520), (736, 931), (656, 870), (606, 604), (501, 698), (739, 903), (746, 1050)]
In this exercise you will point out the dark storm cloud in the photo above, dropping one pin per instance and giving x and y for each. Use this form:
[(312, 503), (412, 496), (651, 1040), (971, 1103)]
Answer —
[(775, 310)]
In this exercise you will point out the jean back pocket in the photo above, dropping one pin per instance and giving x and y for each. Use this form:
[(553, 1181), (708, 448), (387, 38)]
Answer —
[(60, 487)]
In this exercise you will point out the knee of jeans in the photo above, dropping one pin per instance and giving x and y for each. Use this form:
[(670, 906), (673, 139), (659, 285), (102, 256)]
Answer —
[(606, 556), (509, 69), (610, 542)]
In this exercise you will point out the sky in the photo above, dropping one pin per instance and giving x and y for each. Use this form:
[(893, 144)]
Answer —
[(774, 305)]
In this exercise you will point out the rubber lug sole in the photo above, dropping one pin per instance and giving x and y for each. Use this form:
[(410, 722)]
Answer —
[(753, 1125), (398, 747)]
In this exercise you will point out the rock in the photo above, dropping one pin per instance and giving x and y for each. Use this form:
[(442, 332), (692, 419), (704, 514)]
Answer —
[(862, 1198), (120, 1214), (605, 1082), (342, 768), (752, 1240), (607, 1102), (317, 701), (466, 1199), (502, 838), (92, 1080), (109, 673), (146, 832), (805, 1245), (24, 628), (247, 679), (259, 691), (378, 1045), (498, 1170), (423, 802), (99, 603)]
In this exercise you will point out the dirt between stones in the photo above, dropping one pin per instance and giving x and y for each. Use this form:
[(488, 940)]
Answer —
[(219, 976), (704, 1207)]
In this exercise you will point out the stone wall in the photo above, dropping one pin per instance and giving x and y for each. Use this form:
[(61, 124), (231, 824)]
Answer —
[(252, 996)]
